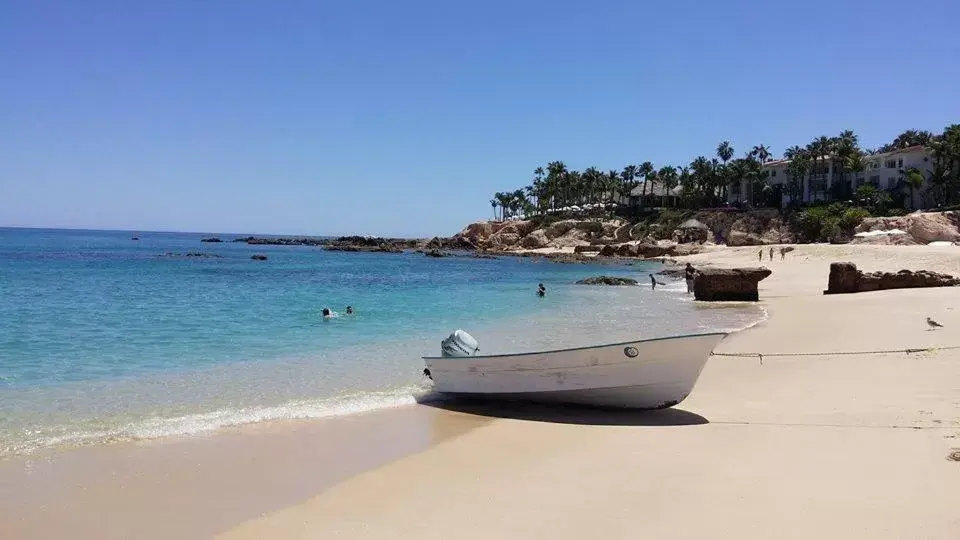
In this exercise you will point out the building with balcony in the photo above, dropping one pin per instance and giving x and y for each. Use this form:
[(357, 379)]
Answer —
[(885, 171)]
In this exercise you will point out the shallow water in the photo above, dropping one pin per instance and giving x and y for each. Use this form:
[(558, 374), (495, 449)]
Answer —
[(103, 337)]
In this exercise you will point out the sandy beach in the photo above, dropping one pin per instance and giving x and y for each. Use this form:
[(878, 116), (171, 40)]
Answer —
[(831, 445)]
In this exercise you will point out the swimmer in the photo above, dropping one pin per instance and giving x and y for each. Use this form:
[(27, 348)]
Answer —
[(349, 310), (326, 313), (541, 290)]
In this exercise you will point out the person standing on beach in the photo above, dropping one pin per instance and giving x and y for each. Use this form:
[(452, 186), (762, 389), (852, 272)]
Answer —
[(771, 254), (760, 255), (690, 273), (653, 283)]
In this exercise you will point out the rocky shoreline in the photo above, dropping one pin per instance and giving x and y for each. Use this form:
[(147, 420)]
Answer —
[(594, 240)]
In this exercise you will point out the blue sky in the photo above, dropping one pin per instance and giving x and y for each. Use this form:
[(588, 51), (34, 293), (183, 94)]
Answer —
[(401, 118)]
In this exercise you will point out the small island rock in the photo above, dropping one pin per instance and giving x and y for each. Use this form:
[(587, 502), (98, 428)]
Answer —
[(607, 280)]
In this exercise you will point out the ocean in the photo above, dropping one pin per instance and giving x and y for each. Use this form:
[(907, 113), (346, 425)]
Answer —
[(106, 338)]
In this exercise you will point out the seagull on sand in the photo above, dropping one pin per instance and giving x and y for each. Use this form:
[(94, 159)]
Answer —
[(933, 324)]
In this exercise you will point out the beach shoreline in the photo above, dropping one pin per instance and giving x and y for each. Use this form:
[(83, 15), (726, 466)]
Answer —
[(726, 452)]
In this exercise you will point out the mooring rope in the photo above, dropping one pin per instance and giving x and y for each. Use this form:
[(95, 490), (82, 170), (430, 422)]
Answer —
[(836, 353)]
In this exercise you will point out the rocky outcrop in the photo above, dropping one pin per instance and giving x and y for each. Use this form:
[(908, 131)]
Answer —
[(260, 241), (921, 227), (192, 254), (436, 253), (535, 240), (212, 239), (846, 278), (728, 284), (607, 280), (587, 249), (743, 238)]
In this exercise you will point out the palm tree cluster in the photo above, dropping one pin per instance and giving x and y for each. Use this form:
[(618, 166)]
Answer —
[(706, 181), (703, 182)]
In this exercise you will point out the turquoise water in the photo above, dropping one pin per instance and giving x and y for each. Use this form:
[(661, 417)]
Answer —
[(103, 337)]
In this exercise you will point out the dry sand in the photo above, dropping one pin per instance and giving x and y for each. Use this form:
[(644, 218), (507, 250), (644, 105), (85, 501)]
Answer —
[(807, 446), (850, 446)]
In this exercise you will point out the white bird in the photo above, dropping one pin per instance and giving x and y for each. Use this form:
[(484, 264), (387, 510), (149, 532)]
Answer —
[(933, 324)]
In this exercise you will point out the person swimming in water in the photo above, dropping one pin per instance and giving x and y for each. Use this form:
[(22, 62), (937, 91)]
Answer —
[(541, 290), (326, 313), (349, 310)]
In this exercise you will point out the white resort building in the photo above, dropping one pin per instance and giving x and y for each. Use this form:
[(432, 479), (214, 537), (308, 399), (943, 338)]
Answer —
[(885, 171)]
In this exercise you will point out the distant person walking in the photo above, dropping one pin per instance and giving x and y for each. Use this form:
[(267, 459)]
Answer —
[(690, 273), (653, 283), (771, 254), (760, 255)]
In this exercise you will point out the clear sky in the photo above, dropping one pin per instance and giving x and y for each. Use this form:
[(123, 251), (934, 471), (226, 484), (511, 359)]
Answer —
[(403, 117)]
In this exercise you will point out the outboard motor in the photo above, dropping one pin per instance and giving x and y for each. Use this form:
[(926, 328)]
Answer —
[(459, 344)]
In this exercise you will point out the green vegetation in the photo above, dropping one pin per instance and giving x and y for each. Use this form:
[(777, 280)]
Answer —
[(705, 181)]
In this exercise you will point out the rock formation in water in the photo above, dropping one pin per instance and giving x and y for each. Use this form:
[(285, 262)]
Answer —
[(607, 280), (728, 284), (846, 278)]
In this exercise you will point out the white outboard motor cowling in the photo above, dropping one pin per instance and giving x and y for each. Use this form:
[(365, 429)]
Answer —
[(459, 344)]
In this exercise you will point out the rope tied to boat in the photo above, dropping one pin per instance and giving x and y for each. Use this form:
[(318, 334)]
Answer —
[(760, 356)]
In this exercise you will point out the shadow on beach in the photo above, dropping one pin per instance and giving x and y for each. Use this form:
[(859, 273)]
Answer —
[(565, 414)]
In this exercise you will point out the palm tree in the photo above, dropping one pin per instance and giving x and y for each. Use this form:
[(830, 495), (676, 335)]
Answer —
[(761, 152), (612, 184), (629, 177), (494, 203), (913, 179), (847, 153), (724, 152), (645, 170), (797, 169), (668, 179)]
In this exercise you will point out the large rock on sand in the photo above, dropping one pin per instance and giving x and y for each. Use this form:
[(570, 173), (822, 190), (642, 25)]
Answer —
[(743, 238), (846, 278), (729, 284), (922, 227)]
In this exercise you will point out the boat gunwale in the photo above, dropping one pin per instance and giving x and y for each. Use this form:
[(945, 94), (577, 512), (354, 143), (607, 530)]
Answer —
[(707, 334)]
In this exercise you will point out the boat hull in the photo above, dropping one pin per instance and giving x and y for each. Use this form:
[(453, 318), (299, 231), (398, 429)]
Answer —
[(647, 374)]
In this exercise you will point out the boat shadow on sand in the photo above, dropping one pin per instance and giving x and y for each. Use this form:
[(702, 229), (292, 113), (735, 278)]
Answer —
[(563, 414)]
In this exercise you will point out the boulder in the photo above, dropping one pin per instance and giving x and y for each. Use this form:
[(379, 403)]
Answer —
[(607, 280), (587, 249), (742, 238), (728, 284), (608, 251), (627, 250), (476, 233), (649, 251), (561, 228), (434, 253), (212, 239), (846, 278), (502, 240), (572, 238), (922, 227), (535, 240)]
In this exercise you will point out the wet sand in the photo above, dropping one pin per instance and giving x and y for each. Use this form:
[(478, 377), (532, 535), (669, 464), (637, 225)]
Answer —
[(194, 487), (851, 446)]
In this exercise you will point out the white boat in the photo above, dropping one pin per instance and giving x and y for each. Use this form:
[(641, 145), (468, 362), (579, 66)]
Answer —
[(645, 374)]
